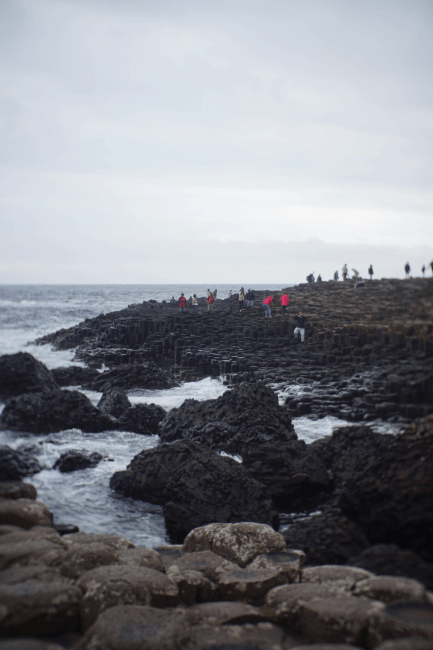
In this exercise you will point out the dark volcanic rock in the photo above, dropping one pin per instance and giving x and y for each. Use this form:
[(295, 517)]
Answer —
[(114, 402), (293, 470), (248, 415), (52, 412), (196, 487), (390, 560), (142, 418), (328, 538), (142, 375), (21, 373), (73, 460), (15, 465), (74, 375), (385, 483)]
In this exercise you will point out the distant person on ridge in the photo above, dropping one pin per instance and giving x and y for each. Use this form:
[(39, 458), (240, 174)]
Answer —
[(345, 272), (284, 300), (336, 276), (210, 301), (423, 270), (241, 298), (371, 272), (319, 278), (230, 293), (195, 303), (267, 304), (182, 303), (300, 326), (407, 269), (431, 264), (250, 298)]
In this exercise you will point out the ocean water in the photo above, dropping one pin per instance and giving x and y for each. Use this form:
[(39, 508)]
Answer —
[(84, 498)]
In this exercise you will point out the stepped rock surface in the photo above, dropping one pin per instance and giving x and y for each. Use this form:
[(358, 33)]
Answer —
[(142, 375)]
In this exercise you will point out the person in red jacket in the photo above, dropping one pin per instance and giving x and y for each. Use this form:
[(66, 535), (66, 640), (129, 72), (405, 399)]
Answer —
[(182, 303), (284, 300), (267, 304), (210, 301)]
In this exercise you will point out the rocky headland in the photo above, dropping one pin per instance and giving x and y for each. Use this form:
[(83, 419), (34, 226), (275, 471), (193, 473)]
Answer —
[(353, 568)]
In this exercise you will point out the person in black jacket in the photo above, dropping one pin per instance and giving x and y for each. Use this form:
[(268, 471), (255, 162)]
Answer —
[(251, 296), (300, 326)]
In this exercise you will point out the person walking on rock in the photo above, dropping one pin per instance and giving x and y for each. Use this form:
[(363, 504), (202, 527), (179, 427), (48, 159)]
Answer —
[(241, 298), (182, 303), (300, 326), (267, 304), (284, 300), (407, 269), (345, 272), (371, 272), (195, 303), (210, 301)]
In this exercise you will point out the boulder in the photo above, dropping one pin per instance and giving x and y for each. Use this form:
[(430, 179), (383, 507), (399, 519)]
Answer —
[(74, 376), (196, 486), (408, 643), (114, 401), (328, 538), (25, 548), (225, 613), (344, 576), (25, 513), (239, 543), (130, 627), (52, 412), (388, 489), (245, 417), (37, 605), (142, 418), (141, 375), (73, 460), (26, 643), (284, 602), (289, 563), (141, 556), (390, 560), (248, 584), (17, 490), (15, 465), (250, 636), (290, 470), (205, 562), (390, 589), (193, 586), (21, 373), (403, 619), (108, 586)]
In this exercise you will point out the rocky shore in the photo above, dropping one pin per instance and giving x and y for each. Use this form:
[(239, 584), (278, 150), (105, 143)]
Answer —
[(353, 568)]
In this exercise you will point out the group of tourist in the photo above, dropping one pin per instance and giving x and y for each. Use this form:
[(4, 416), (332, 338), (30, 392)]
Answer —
[(423, 269)]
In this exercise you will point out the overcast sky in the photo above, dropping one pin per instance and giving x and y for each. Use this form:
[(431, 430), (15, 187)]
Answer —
[(214, 140)]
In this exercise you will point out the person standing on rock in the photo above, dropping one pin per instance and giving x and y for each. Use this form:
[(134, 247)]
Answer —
[(241, 298), (300, 326), (407, 270), (210, 301), (431, 264), (336, 276), (208, 293), (195, 303), (251, 296), (182, 303), (423, 270), (230, 293), (345, 272), (319, 278), (284, 300), (267, 304), (173, 301), (215, 293), (371, 272)]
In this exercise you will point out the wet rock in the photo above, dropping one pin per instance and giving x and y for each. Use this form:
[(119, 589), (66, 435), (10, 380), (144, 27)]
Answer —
[(114, 401), (52, 412), (170, 554), (141, 375), (344, 576), (74, 376), (290, 470), (196, 486), (21, 373), (248, 415), (17, 490), (208, 563), (35, 606), (142, 418), (40, 545), (15, 465), (328, 538), (404, 619), (193, 586), (132, 626), (260, 636), (390, 560), (390, 589), (24, 512), (73, 460), (289, 563), (239, 543), (409, 643), (114, 541), (284, 602), (337, 619), (24, 643), (141, 556), (326, 646), (81, 558), (108, 586), (225, 613)]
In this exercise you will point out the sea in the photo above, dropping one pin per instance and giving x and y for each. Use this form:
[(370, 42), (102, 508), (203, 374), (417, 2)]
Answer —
[(84, 498)]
